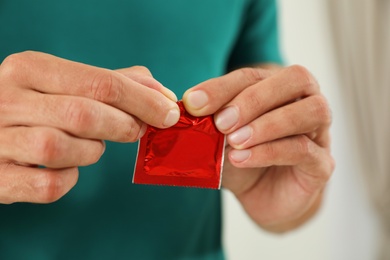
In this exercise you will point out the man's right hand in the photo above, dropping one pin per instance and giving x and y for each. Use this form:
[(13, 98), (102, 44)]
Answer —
[(56, 113)]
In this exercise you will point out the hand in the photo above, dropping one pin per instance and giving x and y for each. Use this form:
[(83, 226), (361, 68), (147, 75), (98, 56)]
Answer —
[(55, 113), (278, 155)]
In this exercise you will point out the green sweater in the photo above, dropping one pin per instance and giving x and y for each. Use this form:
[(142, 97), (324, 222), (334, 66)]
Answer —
[(182, 42)]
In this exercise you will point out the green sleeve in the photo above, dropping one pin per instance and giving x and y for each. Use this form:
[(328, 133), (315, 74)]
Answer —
[(258, 40)]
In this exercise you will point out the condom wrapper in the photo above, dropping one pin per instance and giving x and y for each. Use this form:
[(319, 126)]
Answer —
[(188, 154)]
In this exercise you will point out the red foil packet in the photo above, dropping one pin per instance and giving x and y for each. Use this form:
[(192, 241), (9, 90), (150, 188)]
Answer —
[(189, 154)]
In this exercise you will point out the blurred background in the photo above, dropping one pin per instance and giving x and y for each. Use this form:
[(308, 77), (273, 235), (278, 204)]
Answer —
[(347, 225)]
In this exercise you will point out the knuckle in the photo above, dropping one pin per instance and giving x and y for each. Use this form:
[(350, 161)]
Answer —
[(94, 153), (12, 65), (254, 102), (132, 132), (46, 145), (304, 76), (80, 115), (49, 187), (105, 87), (300, 71), (305, 146), (252, 74), (96, 157), (9, 99), (141, 70), (322, 110), (326, 171)]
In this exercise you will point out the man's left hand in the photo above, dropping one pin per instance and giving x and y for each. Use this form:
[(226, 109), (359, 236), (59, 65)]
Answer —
[(277, 124)]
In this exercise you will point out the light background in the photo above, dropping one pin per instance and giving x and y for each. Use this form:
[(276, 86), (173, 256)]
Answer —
[(346, 227)]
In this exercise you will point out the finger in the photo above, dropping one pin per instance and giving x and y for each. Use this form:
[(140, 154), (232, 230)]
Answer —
[(79, 116), (52, 75), (143, 76), (48, 147), (208, 97), (265, 96), (308, 116), (36, 185), (257, 88), (314, 162)]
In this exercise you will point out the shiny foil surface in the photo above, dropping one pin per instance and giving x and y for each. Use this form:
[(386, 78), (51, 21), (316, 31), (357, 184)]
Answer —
[(189, 153)]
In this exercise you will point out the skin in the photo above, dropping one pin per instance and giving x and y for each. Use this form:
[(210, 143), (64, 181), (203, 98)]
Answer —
[(56, 112), (278, 154)]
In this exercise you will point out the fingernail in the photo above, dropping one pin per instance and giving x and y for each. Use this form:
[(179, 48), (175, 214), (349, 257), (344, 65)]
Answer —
[(227, 118), (240, 136), (172, 117), (197, 99), (240, 155)]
